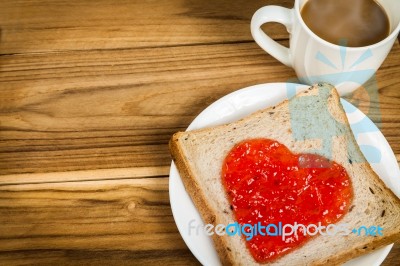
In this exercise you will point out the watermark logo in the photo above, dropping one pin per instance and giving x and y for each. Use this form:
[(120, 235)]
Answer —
[(284, 231), (345, 72)]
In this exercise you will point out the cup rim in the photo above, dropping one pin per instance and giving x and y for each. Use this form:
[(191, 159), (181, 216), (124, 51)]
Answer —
[(335, 46)]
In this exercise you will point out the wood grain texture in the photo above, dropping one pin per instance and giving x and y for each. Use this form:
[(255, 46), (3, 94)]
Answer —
[(118, 222), (88, 110), (90, 222), (84, 175), (90, 93), (43, 26)]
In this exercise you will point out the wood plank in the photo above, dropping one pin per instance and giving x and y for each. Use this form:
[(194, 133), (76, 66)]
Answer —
[(89, 110), (48, 25), (118, 222), (98, 257), (85, 175), (117, 109), (90, 222)]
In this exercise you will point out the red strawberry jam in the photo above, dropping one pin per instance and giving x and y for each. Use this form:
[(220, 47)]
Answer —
[(269, 184)]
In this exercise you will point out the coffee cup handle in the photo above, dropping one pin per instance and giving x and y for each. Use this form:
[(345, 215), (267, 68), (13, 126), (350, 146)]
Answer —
[(272, 14)]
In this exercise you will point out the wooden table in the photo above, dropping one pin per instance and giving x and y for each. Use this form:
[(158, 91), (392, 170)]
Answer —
[(91, 92)]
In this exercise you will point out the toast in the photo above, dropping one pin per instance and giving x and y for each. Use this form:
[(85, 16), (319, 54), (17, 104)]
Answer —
[(299, 124)]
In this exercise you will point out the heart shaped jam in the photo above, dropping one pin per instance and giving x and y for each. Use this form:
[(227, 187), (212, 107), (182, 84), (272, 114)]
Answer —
[(266, 183)]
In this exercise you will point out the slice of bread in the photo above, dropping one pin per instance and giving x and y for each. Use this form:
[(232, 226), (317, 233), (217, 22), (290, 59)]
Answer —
[(312, 122)]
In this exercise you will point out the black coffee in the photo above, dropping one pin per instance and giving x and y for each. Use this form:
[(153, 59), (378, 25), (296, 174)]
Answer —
[(352, 23)]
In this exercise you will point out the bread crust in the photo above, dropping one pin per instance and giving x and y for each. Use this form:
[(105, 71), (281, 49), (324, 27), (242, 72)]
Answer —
[(198, 197), (375, 244), (208, 215)]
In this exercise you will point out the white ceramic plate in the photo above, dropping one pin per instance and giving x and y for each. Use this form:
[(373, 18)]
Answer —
[(244, 102)]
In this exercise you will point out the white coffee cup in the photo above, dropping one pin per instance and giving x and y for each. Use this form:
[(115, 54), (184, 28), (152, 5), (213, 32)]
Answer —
[(315, 59)]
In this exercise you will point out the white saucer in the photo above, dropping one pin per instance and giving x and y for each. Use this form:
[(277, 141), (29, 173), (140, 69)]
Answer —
[(243, 102)]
